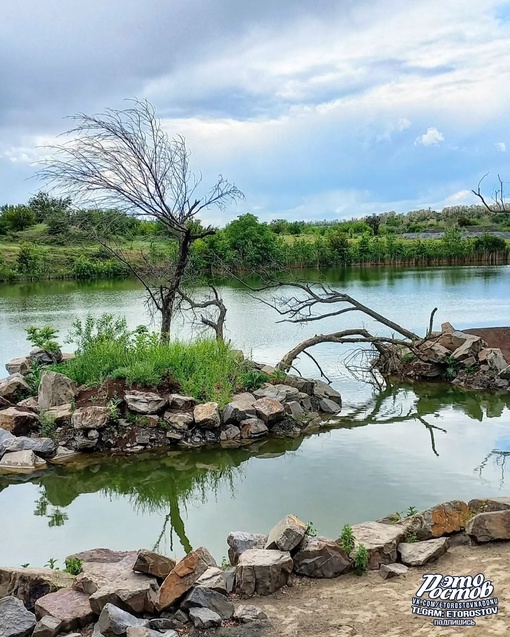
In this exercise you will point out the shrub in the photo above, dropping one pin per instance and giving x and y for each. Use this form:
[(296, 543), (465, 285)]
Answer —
[(347, 539), (43, 337), (360, 559)]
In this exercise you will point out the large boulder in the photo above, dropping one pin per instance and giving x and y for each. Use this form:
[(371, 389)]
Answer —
[(70, 606), (200, 597), (469, 349), (419, 553), (203, 618), (144, 402), (487, 527), (442, 519), (207, 416), (287, 534), (13, 387), (239, 542), (19, 365), (253, 428), (60, 415), (323, 390), (114, 622), (181, 403), (43, 447), (321, 557), (262, 571), (29, 584), (18, 421), (215, 579), (269, 410), (55, 389), (179, 420), (108, 577), (185, 574), (487, 505), (21, 461), (15, 619), (239, 408), (380, 540), (154, 564), (93, 417), (452, 340)]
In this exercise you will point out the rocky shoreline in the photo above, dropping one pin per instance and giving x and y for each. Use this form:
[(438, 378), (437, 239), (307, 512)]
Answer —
[(144, 594)]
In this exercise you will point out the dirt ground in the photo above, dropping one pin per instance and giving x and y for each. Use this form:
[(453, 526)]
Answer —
[(369, 606)]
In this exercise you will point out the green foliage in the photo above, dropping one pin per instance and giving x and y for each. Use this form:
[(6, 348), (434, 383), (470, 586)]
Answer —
[(73, 565), (225, 563), (51, 563), (360, 560), (45, 206), (48, 425), (452, 367), (488, 243), (278, 376), (347, 539), (43, 337), (411, 538), (17, 218), (253, 379), (311, 530), (26, 565), (28, 260), (412, 510)]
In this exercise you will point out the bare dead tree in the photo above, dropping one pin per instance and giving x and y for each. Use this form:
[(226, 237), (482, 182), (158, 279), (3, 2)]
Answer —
[(215, 311), (124, 160), (499, 203)]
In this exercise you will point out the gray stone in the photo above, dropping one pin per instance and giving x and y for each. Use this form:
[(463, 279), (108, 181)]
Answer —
[(231, 432), (43, 357), (487, 505), (304, 385), (487, 527), (287, 534), (114, 622), (181, 403), (163, 624), (230, 579), (15, 619), (323, 390), (63, 454), (387, 571), (504, 374), (329, 406), (93, 417), (246, 613), (19, 365), (180, 421), (144, 402), (253, 428), (61, 414), (262, 571), (18, 421), (140, 631), (207, 416), (21, 461), (48, 626), (200, 597), (55, 389), (268, 369), (154, 564), (213, 578), (320, 557), (204, 618), (295, 409), (470, 347), (29, 584), (380, 540), (71, 607), (240, 408), (12, 387), (419, 553), (30, 403), (269, 410), (43, 447), (239, 541)]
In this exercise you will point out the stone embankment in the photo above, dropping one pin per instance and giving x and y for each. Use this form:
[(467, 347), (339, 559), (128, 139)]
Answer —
[(462, 358), (64, 419), (144, 594)]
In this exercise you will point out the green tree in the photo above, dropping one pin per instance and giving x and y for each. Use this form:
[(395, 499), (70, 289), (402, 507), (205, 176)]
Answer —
[(45, 206), (28, 259), (18, 218), (250, 242)]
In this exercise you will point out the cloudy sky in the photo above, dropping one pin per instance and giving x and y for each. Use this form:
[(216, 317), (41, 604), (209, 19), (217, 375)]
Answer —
[(314, 108)]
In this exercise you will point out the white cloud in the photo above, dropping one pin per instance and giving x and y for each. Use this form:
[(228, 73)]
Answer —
[(431, 137), (501, 146)]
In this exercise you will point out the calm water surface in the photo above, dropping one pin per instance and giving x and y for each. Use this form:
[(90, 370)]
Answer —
[(406, 446)]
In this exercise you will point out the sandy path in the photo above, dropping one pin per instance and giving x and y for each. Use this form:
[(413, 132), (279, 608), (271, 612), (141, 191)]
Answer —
[(369, 606)]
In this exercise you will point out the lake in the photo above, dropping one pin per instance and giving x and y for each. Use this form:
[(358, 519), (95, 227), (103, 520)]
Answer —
[(405, 446)]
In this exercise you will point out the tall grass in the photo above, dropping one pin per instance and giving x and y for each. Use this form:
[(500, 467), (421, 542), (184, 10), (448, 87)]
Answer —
[(204, 369)]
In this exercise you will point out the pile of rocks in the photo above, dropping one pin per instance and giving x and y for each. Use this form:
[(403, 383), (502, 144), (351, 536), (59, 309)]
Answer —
[(140, 420), (144, 594), (460, 357)]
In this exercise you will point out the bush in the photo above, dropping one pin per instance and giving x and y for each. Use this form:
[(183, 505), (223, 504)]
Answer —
[(43, 337)]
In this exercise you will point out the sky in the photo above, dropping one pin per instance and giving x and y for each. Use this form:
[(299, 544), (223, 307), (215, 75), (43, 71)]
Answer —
[(316, 109)]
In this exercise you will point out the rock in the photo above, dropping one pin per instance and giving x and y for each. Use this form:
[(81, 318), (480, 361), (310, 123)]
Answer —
[(470, 347), (15, 619), (13, 387), (153, 564), (253, 428), (287, 534), (380, 540), (114, 622), (487, 527), (442, 519), (505, 373), (269, 370), (63, 455), (61, 414), (139, 631), (43, 447), (55, 389), (304, 385), (82, 442), (488, 505), (269, 410), (181, 403), (231, 432), (204, 618), (246, 613), (455, 339), (328, 406), (48, 626), (179, 420), (320, 557), (21, 461), (240, 408), (144, 402), (108, 577), (230, 579), (184, 576), (295, 409), (43, 357), (213, 578), (163, 624), (262, 571), (387, 571), (434, 352), (30, 403), (447, 328), (70, 606), (28, 584), (93, 417), (323, 390), (427, 370), (239, 541), (19, 365), (200, 597), (419, 553), (207, 416), (19, 422)]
